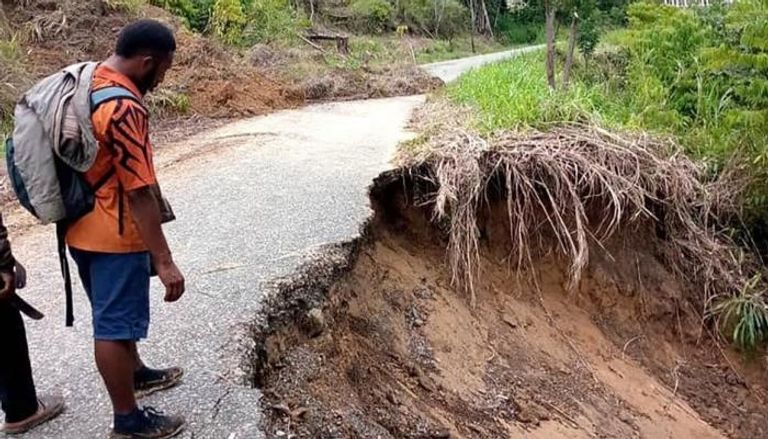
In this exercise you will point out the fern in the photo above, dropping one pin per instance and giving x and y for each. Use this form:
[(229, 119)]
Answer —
[(744, 317)]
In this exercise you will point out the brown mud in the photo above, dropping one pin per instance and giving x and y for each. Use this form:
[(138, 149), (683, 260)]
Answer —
[(373, 341)]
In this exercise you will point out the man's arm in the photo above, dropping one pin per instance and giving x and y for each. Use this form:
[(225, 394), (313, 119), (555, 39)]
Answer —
[(129, 129), (145, 211), (7, 263)]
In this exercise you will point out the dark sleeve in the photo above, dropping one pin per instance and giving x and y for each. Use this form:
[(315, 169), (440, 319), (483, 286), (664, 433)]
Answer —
[(6, 257)]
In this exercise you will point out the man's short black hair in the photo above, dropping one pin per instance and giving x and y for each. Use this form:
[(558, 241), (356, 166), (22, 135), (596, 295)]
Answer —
[(145, 37)]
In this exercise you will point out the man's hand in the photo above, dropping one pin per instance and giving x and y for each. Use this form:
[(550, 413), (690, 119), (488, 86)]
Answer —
[(171, 277), (146, 214), (8, 287)]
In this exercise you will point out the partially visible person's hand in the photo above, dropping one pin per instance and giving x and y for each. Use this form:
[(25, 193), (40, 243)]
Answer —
[(21, 276), (9, 284), (171, 277)]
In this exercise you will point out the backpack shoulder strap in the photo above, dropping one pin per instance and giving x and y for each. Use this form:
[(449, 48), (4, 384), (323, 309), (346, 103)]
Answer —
[(103, 95)]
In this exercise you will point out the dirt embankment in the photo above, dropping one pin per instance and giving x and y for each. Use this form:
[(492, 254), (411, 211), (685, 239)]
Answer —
[(216, 81), (377, 342), (208, 78)]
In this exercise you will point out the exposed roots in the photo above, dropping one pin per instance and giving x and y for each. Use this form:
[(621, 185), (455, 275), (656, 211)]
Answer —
[(576, 186)]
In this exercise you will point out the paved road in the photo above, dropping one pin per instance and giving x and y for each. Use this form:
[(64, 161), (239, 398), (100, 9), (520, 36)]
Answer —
[(450, 70), (261, 193)]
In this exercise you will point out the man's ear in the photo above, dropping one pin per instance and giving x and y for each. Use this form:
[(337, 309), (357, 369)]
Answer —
[(147, 63)]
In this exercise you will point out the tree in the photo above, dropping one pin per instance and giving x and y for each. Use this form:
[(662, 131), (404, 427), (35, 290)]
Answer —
[(589, 36), (576, 11), (473, 21), (571, 49), (550, 9)]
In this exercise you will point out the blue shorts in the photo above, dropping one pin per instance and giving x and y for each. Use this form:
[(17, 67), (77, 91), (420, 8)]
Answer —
[(117, 285)]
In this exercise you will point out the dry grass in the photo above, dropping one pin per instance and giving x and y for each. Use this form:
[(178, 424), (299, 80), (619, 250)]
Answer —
[(576, 186)]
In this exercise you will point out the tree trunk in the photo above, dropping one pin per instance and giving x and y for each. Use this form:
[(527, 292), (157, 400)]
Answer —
[(550, 11), (571, 49), (488, 27), (472, 19), (311, 11)]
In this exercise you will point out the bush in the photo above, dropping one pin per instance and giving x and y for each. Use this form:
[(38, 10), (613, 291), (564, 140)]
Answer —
[(372, 15), (438, 18), (271, 21), (744, 318), (454, 21), (195, 13), (512, 32), (522, 26), (228, 21)]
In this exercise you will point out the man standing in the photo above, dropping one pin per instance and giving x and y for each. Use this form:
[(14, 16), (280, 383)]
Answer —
[(23, 408), (117, 244)]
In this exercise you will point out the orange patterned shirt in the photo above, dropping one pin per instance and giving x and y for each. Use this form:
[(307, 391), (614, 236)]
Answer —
[(123, 163)]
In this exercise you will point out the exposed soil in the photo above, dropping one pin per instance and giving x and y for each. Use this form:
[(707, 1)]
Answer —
[(217, 81), (375, 342)]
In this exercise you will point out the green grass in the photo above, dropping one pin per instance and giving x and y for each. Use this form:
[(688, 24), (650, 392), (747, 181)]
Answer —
[(514, 95), (440, 50), (383, 51)]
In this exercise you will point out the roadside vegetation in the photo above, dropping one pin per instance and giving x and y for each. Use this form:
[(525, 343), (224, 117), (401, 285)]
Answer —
[(696, 77), (264, 39)]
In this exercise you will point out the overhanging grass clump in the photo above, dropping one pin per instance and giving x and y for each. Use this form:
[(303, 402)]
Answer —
[(572, 188)]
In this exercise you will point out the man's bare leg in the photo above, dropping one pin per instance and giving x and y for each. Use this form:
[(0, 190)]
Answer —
[(115, 361), (137, 363)]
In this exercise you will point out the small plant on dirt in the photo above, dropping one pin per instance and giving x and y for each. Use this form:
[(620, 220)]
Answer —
[(128, 6), (743, 318), (165, 103)]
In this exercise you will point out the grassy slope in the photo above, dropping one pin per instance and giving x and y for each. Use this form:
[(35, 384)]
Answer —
[(514, 94)]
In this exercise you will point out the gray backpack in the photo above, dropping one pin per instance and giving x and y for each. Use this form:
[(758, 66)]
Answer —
[(53, 144)]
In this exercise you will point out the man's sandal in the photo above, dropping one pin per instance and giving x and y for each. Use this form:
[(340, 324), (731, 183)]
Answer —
[(49, 406)]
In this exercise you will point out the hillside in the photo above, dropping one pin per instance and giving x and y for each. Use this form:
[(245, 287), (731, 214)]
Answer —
[(209, 79)]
